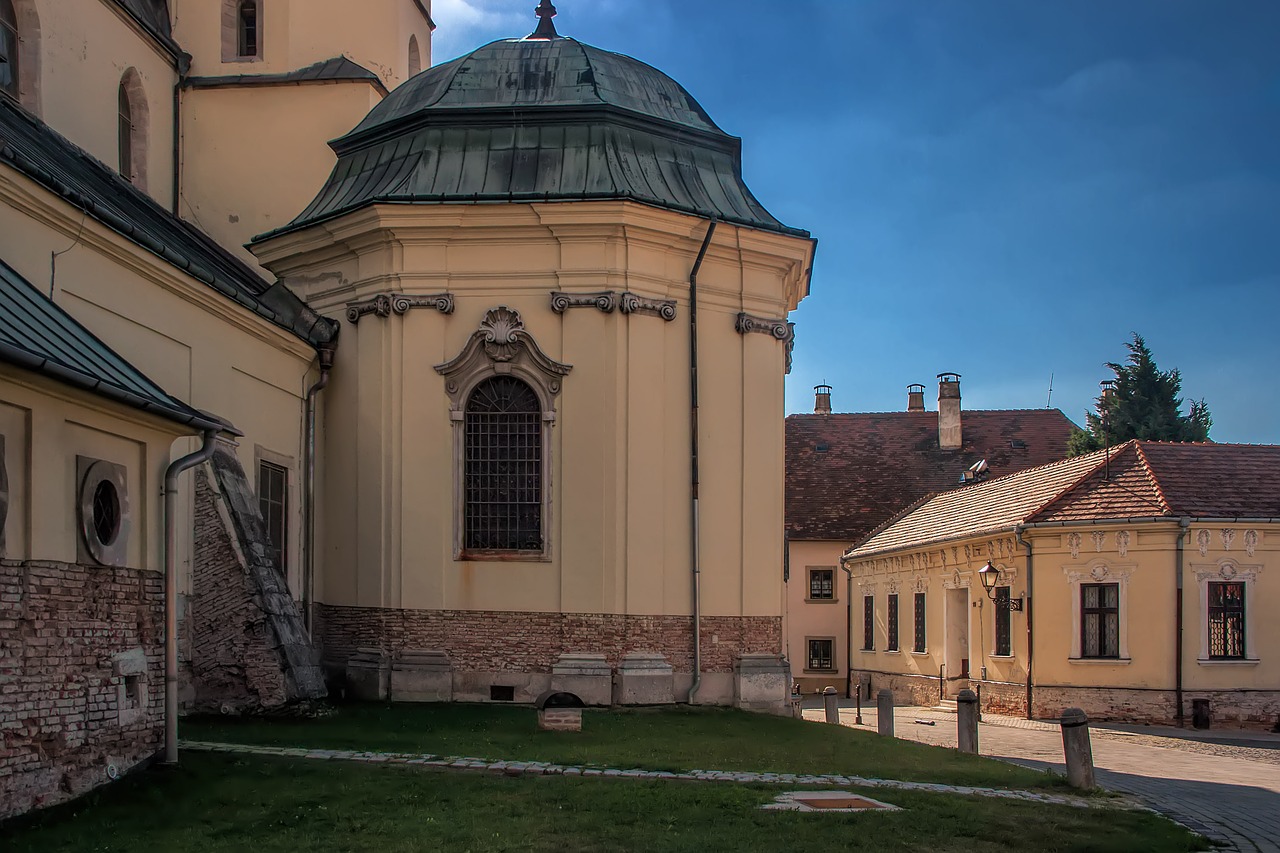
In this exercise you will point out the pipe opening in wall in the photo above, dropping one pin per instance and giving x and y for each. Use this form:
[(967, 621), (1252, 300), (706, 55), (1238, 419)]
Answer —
[(502, 693)]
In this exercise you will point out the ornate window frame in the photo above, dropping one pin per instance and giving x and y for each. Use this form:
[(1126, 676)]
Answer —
[(93, 475), (501, 347), (1099, 571), (1232, 570)]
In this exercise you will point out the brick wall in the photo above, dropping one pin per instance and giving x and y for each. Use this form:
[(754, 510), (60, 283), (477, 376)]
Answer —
[(81, 678), (488, 641), (1255, 709)]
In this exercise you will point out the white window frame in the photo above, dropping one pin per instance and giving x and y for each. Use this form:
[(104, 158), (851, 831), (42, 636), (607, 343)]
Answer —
[(1099, 571), (1228, 570)]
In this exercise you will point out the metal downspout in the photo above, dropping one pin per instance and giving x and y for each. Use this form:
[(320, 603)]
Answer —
[(171, 591), (1029, 606), (848, 629), (309, 489), (693, 460), (184, 68), (1184, 527)]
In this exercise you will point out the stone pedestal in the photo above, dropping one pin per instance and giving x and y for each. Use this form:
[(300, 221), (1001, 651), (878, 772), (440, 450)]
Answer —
[(368, 675), (560, 719), (644, 678), (762, 682), (422, 675), (587, 676)]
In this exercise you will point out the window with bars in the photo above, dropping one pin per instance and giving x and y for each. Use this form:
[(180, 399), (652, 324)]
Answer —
[(247, 33), (1226, 620), (1004, 632), (919, 645), (503, 467), (8, 49), (822, 584), (273, 501), (821, 654), (1100, 620), (868, 623), (892, 624)]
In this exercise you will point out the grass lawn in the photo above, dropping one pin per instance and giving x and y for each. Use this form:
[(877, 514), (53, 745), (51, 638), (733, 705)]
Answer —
[(221, 803), (651, 739)]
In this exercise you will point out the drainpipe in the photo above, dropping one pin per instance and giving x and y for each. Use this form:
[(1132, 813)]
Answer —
[(848, 629), (184, 68), (326, 352), (1027, 607), (693, 459), (1184, 527), (171, 591)]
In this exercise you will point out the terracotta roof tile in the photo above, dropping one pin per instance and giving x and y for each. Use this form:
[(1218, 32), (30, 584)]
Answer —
[(875, 464)]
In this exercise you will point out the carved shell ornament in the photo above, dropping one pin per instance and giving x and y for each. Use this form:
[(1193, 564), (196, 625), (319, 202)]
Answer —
[(499, 327)]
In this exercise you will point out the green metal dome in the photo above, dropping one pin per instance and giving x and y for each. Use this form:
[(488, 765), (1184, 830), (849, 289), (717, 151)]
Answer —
[(541, 119)]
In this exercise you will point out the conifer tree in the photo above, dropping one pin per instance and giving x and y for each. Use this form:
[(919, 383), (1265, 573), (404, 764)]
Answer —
[(1144, 404)]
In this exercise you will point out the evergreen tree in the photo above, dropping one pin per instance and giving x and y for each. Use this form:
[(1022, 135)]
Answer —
[(1144, 404)]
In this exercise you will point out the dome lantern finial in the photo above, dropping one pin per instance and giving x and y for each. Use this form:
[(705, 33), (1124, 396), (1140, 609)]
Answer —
[(546, 28)]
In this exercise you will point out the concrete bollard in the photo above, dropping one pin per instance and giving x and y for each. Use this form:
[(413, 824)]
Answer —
[(967, 719), (1077, 749), (884, 712), (831, 701)]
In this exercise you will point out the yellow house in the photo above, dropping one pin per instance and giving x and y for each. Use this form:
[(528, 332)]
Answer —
[(1132, 583)]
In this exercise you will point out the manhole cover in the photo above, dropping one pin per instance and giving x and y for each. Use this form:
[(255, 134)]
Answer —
[(827, 801)]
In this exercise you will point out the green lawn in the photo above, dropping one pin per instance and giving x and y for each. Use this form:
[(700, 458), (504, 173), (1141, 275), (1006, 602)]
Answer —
[(651, 739), (223, 803)]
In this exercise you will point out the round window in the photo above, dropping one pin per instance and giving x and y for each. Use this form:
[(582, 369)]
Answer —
[(106, 512)]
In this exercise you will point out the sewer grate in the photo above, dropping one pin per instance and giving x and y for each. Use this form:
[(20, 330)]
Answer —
[(827, 801)]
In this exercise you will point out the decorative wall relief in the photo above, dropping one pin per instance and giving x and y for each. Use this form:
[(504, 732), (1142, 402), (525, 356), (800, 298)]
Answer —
[(1073, 542), (1122, 542), (779, 329), (1099, 573), (502, 340), (1202, 541), (604, 300), (630, 303), (1228, 536), (1099, 540), (384, 304), (1250, 538)]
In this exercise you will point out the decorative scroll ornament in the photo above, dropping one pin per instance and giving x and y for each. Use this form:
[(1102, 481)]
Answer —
[(1250, 541), (384, 304), (502, 345), (605, 300), (1228, 536), (1122, 542), (1202, 541), (779, 329), (1099, 540), (791, 346), (1073, 542), (630, 303)]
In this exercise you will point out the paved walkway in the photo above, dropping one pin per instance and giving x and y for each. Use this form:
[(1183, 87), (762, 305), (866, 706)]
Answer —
[(1224, 785)]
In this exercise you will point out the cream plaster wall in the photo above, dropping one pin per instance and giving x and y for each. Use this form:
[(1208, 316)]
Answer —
[(806, 618), (46, 425), (620, 479)]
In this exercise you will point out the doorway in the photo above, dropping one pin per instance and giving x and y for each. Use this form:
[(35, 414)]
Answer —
[(956, 617)]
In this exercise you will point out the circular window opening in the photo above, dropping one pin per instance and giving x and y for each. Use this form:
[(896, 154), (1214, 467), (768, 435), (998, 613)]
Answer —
[(106, 512)]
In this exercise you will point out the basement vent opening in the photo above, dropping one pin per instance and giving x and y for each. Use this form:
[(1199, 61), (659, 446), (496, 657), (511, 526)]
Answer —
[(502, 693)]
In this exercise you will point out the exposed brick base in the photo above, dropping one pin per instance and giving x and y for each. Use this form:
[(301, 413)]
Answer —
[(907, 689), (61, 716), (1228, 708)]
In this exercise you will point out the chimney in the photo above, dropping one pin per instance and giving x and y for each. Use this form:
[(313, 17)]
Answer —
[(950, 436), (915, 397), (822, 399)]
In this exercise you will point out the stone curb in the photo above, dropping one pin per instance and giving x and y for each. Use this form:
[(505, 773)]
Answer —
[(542, 768)]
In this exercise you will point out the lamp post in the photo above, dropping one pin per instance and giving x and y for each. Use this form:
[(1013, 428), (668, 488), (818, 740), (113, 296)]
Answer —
[(990, 577)]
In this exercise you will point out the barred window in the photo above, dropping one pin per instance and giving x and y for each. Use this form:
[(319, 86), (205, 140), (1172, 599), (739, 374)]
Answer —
[(503, 467), (868, 622), (821, 654), (892, 622), (1004, 634), (1226, 620), (920, 623), (273, 501), (822, 584), (247, 28), (1100, 620), (8, 49)]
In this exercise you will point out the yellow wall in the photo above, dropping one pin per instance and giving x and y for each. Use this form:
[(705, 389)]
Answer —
[(821, 619), (620, 444)]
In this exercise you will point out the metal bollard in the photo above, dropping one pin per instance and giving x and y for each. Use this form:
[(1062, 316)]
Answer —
[(831, 701), (857, 720), (967, 719), (884, 712), (1077, 749)]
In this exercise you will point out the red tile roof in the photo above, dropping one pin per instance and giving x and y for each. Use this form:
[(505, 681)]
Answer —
[(875, 464)]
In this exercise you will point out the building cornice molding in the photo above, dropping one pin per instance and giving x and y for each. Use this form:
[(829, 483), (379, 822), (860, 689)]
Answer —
[(386, 304), (604, 300)]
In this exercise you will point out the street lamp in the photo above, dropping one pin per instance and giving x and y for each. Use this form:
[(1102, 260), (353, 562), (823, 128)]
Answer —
[(990, 576)]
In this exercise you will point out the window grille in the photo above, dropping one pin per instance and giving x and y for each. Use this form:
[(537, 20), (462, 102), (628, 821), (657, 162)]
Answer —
[(124, 127), (892, 620), (8, 49), (1226, 620), (920, 623), (503, 467), (822, 584), (273, 501), (821, 654), (248, 28), (1100, 620), (1004, 633), (868, 622)]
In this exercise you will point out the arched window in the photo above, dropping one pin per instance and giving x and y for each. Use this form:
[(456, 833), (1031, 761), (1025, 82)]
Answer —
[(503, 467), (132, 115), (248, 39), (415, 55), (124, 130), (8, 50)]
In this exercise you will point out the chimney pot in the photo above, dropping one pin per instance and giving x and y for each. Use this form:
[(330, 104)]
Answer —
[(915, 397), (822, 399), (950, 435)]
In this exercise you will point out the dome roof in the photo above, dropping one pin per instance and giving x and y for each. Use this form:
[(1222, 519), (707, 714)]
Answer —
[(540, 119)]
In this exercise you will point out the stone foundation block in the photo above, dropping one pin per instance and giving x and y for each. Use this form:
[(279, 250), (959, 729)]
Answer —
[(587, 676), (560, 719), (368, 675), (421, 675), (762, 683), (644, 678)]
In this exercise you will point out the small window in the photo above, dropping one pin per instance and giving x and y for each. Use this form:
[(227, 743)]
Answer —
[(247, 30), (1100, 620), (1004, 632), (124, 129), (822, 584), (1226, 621), (919, 645), (868, 623), (107, 514), (415, 56), (273, 501), (821, 654), (8, 50), (892, 624)]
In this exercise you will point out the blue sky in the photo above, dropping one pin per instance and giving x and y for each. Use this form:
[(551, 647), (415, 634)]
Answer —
[(1002, 188)]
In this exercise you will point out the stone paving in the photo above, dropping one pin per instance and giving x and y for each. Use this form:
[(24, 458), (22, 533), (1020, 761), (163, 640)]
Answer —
[(1226, 786)]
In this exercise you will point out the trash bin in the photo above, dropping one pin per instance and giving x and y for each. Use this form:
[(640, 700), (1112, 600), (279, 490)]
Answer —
[(1200, 714)]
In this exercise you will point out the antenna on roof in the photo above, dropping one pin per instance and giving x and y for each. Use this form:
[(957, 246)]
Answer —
[(1049, 402)]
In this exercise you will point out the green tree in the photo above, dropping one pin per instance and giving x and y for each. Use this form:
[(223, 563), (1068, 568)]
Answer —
[(1144, 404)]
